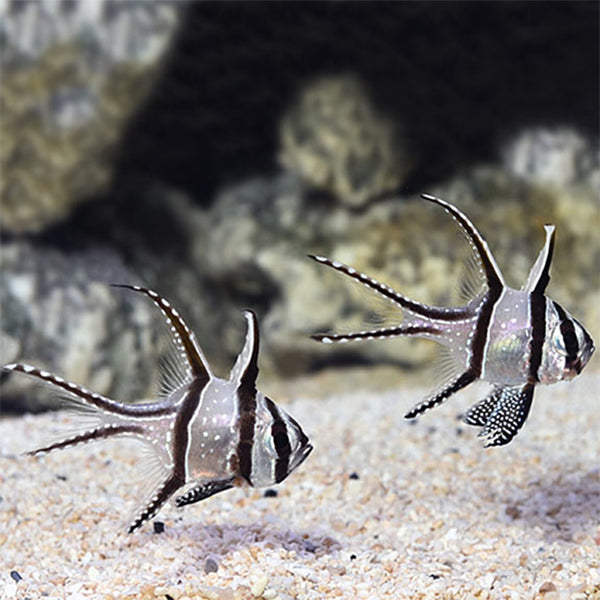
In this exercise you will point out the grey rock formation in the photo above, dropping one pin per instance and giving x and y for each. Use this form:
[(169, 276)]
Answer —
[(334, 138), (551, 156), (59, 313), (258, 233), (248, 250), (73, 73)]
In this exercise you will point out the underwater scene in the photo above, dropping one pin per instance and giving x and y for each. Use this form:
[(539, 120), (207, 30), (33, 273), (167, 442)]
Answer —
[(299, 300)]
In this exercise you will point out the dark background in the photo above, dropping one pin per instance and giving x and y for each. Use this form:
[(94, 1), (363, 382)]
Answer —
[(460, 76)]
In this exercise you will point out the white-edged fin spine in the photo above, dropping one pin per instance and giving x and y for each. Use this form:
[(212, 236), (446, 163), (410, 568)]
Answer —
[(183, 336), (539, 275), (249, 351), (385, 291), (427, 331), (491, 270), (91, 399)]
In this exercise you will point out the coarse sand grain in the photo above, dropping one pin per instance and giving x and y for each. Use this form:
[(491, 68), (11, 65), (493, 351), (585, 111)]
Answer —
[(383, 508)]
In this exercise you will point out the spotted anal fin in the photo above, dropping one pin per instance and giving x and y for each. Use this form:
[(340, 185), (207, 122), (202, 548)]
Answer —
[(502, 413), (156, 501), (442, 395), (539, 276), (491, 271), (204, 490), (479, 413), (184, 338)]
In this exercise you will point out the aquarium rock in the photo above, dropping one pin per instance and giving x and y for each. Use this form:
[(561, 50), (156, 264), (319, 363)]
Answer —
[(73, 73)]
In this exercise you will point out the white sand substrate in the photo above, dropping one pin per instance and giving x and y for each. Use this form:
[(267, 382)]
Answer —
[(382, 509)]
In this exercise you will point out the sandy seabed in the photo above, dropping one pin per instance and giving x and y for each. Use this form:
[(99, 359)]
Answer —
[(383, 508)]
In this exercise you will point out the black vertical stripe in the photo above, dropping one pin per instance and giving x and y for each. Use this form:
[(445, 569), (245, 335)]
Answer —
[(475, 366), (482, 330), (544, 277), (537, 312), (567, 330), (246, 395), (281, 441), (181, 434), (181, 441)]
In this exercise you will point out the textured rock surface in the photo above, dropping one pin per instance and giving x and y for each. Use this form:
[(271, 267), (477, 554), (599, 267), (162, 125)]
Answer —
[(257, 235), (72, 75), (59, 314), (334, 138), (197, 209), (559, 156), (248, 250)]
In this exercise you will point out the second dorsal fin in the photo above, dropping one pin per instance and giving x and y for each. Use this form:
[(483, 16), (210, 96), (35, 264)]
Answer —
[(539, 276), (245, 369)]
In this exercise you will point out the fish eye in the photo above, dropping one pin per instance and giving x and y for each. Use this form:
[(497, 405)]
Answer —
[(281, 440), (276, 440), (558, 340)]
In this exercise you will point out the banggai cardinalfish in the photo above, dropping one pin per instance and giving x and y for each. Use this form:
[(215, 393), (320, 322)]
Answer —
[(513, 339), (210, 432)]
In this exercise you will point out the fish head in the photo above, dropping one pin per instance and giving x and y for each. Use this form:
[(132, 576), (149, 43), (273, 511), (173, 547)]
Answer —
[(280, 446), (568, 346)]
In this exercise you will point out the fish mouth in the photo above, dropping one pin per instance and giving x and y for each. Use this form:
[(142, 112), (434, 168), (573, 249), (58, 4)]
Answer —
[(301, 456), (573, 369)]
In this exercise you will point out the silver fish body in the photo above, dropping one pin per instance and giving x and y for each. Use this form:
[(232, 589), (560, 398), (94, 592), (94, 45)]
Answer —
[(209, 432), (513, 339)]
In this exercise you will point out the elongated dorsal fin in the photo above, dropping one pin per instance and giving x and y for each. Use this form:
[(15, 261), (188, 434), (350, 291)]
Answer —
[(184, 338), (539, 276), (490, 269), (245, 370)]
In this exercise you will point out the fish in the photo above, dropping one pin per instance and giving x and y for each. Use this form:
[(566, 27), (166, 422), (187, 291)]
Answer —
[(512, 339), (208, 432)]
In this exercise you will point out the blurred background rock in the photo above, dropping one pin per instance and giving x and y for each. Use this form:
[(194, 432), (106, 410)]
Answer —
[(203, 149)]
